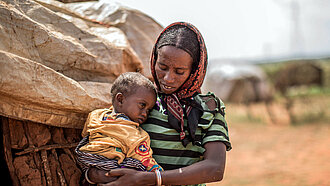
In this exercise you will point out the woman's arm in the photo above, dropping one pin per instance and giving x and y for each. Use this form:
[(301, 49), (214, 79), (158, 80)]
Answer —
[(210, 169)]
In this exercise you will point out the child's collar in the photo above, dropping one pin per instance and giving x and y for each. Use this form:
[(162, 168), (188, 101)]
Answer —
[(118, 115)]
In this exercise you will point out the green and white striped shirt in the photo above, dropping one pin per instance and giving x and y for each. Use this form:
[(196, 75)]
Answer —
[(167, 148)]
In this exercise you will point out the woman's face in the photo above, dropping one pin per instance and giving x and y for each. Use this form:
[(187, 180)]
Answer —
[(173, 67)]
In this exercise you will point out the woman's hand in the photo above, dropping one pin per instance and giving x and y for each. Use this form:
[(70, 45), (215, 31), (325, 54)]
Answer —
[(130, 177), (99, 176)]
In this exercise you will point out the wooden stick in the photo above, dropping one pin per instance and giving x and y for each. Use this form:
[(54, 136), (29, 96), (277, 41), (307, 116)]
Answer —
[(46, 147), (67, 151), (7, 150), (58, 169), (38, 162), (36, 157), (46, 167)]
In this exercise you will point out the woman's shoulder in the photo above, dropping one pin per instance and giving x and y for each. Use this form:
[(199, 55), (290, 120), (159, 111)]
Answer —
[(210, 102)]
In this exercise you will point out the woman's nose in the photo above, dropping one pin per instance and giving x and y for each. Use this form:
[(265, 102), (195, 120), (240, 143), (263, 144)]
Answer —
[(169, 77)]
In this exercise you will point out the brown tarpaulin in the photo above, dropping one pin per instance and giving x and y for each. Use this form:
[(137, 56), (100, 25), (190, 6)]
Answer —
[(57, 65)]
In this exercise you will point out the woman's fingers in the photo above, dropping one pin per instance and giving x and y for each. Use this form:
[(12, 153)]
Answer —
[(117, 172), (124, 176)]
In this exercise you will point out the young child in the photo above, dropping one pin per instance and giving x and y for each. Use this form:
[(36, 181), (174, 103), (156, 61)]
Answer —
[(112, 137)]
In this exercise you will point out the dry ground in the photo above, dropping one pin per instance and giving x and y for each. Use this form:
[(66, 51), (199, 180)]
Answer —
[(269, 155)]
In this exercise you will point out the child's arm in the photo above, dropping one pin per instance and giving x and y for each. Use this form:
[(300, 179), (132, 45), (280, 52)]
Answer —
[(143, 153)]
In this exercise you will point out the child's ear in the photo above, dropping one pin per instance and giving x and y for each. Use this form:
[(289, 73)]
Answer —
[(119, 97)]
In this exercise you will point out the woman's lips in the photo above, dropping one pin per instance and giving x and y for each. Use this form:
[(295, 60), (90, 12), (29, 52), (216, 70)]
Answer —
[(167, 88)]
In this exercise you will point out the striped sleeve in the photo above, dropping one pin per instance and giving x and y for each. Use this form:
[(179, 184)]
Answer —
[(214, 124), (218, 131)]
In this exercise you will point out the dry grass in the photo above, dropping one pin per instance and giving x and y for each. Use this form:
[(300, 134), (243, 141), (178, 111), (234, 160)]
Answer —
[(278, 155), (290, 149), (271, 154)]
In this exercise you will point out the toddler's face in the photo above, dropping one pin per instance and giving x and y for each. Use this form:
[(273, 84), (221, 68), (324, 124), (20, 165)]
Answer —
[(138, 105)]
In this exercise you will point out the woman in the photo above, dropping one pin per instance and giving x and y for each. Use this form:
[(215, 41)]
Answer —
[(189, 135)]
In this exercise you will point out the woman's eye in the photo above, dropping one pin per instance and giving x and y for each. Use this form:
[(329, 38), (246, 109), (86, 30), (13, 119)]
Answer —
[(162, 67), (180, 72)]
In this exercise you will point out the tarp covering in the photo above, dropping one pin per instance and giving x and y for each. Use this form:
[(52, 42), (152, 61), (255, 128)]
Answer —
[(238, 82), (57, 65)]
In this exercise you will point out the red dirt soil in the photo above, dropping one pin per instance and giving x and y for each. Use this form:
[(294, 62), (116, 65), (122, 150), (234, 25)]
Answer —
[(269, 155)]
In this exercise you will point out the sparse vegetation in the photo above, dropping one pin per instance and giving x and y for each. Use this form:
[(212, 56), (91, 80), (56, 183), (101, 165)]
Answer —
[(304, 104), (284, 152)]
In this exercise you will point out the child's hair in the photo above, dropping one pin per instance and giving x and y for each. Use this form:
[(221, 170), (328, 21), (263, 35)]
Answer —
[(128, 82)]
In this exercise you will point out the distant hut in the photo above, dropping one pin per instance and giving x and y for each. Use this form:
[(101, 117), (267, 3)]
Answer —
[(238, 83), (298, 73)]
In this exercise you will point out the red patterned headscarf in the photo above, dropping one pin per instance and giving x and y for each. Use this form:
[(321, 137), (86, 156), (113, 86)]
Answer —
[(176, 101)]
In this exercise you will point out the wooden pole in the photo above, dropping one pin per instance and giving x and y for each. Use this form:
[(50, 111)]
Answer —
[(46, 167), (7, 151), (46, 147)]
